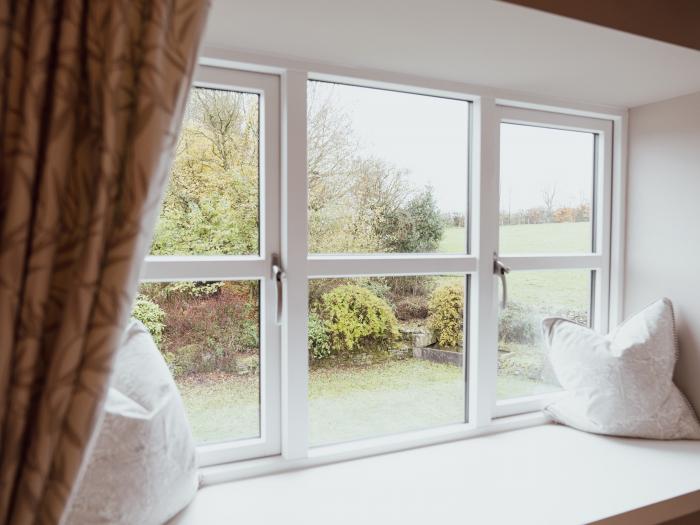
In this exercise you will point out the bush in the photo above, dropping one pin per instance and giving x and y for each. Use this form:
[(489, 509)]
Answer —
[(410, 308), (411, 285), (209, 329), (357, 320), (516, 325), (193, 288), (319, 342), (151, 315), (379, 286), (415, 227), (446, 309), (185, 361)]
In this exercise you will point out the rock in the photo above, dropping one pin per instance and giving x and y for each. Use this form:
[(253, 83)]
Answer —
[(423, 338)]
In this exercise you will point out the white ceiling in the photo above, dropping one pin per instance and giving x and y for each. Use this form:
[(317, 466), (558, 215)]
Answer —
[(474, 41)]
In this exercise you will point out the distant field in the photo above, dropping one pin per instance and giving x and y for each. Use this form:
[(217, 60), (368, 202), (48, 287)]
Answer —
[(556, 290), (564, 237)]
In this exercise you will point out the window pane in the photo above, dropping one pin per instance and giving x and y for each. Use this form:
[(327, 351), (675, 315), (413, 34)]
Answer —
[(546, 190), (209, 334), (387, 171), (211, 206), (523, 367), (386, 355)]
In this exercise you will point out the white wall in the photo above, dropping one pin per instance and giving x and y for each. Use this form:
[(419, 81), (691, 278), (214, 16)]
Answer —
[(663, 221)]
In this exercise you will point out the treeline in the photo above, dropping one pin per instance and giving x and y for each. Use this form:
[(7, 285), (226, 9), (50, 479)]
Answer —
[(540, 215)]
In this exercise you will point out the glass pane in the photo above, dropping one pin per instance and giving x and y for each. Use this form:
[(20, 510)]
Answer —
[(386, 355), (523, 367), (387, 171), (546, 190), (209, 334), (212, 206)]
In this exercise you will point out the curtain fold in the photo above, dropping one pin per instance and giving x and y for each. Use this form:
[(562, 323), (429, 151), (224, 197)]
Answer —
[(92, 94)]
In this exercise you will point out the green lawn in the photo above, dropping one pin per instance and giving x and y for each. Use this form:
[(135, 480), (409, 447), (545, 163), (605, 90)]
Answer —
[(344, 403), (453, 241), (221, 407), (564, 237)]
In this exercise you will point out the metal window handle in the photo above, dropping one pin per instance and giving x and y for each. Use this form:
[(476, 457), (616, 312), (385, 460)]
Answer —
[(501, 270), (278, 276)]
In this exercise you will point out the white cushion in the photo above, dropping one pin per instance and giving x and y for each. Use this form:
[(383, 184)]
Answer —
[(142, 469), (622, 383)]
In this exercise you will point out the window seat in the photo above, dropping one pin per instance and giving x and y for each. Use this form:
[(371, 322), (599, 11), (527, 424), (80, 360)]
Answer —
[(548, 474)]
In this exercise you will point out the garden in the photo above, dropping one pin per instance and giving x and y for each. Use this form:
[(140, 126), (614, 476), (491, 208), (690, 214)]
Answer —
[(385, 353)]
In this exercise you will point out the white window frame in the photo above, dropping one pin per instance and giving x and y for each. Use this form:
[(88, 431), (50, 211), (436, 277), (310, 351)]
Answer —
[(489, 106), (249, 267), (597, 260)]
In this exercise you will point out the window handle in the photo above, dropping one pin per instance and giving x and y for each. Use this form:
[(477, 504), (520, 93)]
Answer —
[(501, 270), (278, 276)]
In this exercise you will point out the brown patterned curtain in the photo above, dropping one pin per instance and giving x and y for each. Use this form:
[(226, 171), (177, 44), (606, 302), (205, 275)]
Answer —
[(91, 98)]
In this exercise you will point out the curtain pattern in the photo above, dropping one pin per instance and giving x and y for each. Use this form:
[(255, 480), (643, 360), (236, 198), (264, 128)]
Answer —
[(91, 99)]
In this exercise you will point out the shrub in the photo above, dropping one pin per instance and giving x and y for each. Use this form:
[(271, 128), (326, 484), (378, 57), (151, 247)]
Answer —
[(409, 308), (151, 315), (211, 331), (193, 288), (185, 361), (516, 324), (415, 227), (355, 320), (411, 285), (249, 333), (446, 308), (379, 286), (319, 342)]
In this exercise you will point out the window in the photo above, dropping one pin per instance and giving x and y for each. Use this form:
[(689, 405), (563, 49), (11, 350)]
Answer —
[(406, 373), (206, 292), (322, 270), (388, 174), (387, 171), (553, 235)]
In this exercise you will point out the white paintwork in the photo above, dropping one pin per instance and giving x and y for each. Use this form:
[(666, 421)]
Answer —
[(472, 41), (663, 243), (339, 266), (350, 450), (483, 348), (543, 475), (618, 220), (295, 355)]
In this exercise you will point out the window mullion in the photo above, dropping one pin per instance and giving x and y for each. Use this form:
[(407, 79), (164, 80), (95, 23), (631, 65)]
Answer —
[(484, 323), (396, 264), (553, 262), (294, 259)]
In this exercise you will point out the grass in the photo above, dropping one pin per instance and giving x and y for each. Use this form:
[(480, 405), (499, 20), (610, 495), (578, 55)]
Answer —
[(221, 406), (563, 237), (453, 241), (344, 403)]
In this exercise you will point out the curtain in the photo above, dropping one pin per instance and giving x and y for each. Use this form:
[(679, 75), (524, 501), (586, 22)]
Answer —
[(92, 94)]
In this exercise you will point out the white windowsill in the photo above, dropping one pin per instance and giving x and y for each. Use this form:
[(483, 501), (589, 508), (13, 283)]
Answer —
[(324, 455), (546, 474)]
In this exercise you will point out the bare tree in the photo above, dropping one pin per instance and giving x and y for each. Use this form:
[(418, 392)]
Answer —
[(548, 196)]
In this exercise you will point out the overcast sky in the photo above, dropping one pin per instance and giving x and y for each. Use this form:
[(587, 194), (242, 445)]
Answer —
[(427, 137)]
